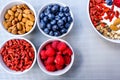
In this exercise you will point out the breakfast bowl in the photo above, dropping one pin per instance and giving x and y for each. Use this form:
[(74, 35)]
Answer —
[(18, 18), (17, 55), (55, 20), (55, 57), (104, 18)]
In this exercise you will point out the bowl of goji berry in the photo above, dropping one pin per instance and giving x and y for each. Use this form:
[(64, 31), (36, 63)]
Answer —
[(104, 17), (17, 55), (55, 57)]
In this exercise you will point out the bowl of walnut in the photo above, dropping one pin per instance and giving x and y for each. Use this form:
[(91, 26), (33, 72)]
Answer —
[(18, 18)]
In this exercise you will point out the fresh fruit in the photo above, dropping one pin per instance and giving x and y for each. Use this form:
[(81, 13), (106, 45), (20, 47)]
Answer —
[(50, 52), (117, 3), (61, 46), (50, 67), (55, 55), (54, 18), (59, 60), (109, 2)]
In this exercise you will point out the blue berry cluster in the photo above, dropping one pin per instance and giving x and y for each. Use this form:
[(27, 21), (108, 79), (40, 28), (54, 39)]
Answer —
[(109, 2), (55, 20)]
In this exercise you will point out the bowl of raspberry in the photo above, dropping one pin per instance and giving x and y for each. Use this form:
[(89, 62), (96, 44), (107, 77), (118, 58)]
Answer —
[(55, 20), (17, 55), (55, 57)]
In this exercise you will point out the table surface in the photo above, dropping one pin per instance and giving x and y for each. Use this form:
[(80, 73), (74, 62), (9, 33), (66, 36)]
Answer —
[(95, 58)]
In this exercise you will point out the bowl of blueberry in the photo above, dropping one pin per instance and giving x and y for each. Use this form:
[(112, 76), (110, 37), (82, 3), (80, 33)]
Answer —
[(55, 20)]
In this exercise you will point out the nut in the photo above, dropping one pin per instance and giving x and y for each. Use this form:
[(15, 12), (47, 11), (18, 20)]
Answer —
[(10, 12), (19, 19)]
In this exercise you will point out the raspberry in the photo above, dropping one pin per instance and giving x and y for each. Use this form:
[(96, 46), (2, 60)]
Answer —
[(59, 67), (67, 59), (48, 46), (50, 60), (59, 53), (68, 52), (54, 44), (59, 60), (43, 55), (50, 68), (50, 52), (117, 3), (61, 46)]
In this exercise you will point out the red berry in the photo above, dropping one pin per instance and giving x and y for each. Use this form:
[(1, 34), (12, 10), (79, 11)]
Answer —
[(59, 53), (59, 67), (117, 3), (67, 59), (48, 46), (61, 46), (67, 51), (59, 60), (50, 52), (50, 60), (43, 55), (54, 44), (50, 67)]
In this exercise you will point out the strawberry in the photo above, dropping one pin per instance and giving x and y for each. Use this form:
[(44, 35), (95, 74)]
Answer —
[(67, 59), (50, 67), (59, 67), (67, 51), (50, 52), (61, 46), (54, 44), (50, 60), (59, 60), (43, 55)]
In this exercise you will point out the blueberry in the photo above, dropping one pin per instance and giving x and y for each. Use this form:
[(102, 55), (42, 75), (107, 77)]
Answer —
[(51, 16), (49, 7), (57, 18), (46, 12), (67, 14), (42, 24), (46, 30), (45, 19), (53, 22), (42, 15), (61, 9), (49, 26), (51, 33), (61, 14), (54, 9), (60, 22), (64, 19), (61, 27), (57, 33), (63, 30), (69, 18), (66, 9), (55, 28), (67, 25), (109, 2)]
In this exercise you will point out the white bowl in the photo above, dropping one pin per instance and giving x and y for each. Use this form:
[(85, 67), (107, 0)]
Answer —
[(38, 20), (7, 69), (8, 6), (59, 72), (111, 40)]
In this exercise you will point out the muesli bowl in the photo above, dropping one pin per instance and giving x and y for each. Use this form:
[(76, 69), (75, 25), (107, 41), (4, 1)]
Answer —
[(104, 18)]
